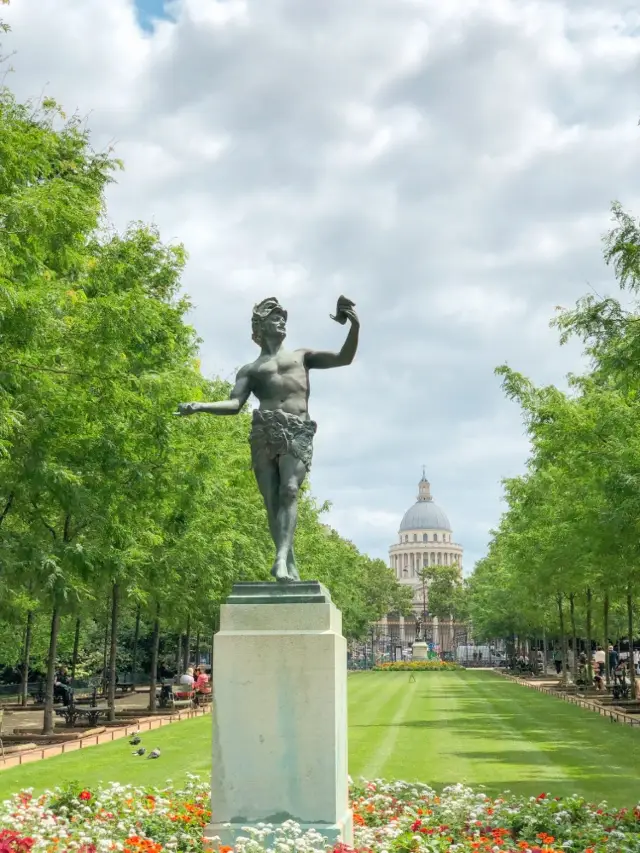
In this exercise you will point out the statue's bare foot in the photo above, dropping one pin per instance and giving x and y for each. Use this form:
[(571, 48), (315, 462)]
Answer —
[(280, 571), (292, 570)]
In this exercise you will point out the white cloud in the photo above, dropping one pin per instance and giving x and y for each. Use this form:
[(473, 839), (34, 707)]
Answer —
[(447, 165)]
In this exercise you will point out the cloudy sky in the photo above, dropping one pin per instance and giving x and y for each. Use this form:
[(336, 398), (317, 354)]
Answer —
[(447, 164)]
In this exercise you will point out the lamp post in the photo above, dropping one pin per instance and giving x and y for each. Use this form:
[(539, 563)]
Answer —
[(423, 578)]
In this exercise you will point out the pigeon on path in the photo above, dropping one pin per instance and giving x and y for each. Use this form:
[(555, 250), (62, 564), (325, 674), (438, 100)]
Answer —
[(140, 751), (155, 753)]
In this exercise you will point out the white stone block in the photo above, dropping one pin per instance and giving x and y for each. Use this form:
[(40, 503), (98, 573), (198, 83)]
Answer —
[(280, 718), (419, 651)]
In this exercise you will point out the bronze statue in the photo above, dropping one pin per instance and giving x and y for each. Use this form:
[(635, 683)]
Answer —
[(282, 432)]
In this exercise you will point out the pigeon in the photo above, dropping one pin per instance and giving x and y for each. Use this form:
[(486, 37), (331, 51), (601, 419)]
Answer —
[(140, 751), (155, 753), (135, 741)]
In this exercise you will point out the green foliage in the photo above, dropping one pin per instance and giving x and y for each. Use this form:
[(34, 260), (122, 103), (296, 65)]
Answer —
[(447, 591)]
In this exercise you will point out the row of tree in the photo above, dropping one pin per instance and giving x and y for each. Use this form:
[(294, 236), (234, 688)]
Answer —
[(108, 503), (565, 559)]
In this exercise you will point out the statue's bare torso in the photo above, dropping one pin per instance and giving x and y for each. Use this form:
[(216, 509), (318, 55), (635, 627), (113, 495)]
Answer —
[(280, 381)]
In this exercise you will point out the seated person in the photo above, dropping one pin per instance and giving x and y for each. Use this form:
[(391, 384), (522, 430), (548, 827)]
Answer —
[(185, 685), (62, 687), (202, 681)]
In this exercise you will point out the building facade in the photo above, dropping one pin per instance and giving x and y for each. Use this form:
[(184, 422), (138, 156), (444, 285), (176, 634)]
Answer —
[(425, 538)]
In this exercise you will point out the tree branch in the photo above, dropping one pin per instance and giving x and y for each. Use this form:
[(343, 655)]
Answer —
[(46, 523), (7, 507)]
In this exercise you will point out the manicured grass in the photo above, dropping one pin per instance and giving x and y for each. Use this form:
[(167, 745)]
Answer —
[(479, 729), (444, 728), (185, 748)]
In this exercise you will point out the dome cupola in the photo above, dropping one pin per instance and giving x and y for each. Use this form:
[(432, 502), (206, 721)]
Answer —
[(425, 514)]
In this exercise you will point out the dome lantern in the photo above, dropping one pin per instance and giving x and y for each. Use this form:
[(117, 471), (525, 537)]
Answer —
[(424, 488), (425, 514)]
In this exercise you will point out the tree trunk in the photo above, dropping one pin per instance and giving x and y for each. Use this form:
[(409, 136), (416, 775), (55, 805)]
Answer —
[(47, 727), (136, 640), (605, 619), (563, 637), (155, 642), (76, 650), (105, 649), (111, 697), (632, 668), (26, 654), (574, 636), (544, 651), (198, 647), (187, 645), (589, 636), (179, 654)]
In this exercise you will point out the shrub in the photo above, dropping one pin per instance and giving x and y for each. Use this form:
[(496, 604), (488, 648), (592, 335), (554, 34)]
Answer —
[(417, 666)]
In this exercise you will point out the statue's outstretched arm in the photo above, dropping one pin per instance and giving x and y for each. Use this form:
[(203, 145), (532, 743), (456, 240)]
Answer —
[(324, 360), (238, 397)]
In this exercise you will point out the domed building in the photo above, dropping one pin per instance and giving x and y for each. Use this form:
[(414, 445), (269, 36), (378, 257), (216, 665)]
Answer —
[(425, 538)]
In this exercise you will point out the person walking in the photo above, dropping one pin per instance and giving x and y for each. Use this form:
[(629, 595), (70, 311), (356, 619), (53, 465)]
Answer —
[(613, 660), (599, 660), (557, 660)]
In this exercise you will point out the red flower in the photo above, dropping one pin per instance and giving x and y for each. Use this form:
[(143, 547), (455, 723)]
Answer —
[(84, 795), (11, 842), (541, 797)]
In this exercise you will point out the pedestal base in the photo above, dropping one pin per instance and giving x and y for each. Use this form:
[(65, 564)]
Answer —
[(420, 651), (280, 713), (226, 834)]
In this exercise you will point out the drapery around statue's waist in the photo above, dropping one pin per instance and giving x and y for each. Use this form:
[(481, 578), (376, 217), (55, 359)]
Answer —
[(275, 433)]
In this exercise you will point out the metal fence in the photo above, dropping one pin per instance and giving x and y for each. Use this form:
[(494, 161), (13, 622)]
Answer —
[(392, 640)]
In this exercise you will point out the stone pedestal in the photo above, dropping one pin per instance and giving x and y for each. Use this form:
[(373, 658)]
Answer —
[(420, 651), (280, 713)]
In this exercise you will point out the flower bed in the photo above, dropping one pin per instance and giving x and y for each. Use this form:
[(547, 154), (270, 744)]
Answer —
[(418, 665), (389, 818)]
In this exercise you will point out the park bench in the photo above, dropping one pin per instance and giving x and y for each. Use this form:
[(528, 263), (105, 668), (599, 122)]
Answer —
[(176, 696), (124, 681), (85, 689), (37, 692), (202, 698), (72, 713)]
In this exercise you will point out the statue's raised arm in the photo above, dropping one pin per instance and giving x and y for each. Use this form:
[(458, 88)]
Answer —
[(318, 360)]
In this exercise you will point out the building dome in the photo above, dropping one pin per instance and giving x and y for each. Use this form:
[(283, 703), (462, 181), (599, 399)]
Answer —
[(425, 514)]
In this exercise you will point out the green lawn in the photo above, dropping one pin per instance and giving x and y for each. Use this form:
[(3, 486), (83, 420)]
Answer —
[(445, 728)]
